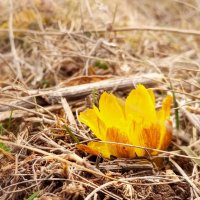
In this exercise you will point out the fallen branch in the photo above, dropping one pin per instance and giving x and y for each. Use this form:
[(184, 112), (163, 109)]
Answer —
[(54, 95), (114, 29)]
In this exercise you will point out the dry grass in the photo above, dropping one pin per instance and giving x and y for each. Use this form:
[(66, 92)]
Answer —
[(50, 46)]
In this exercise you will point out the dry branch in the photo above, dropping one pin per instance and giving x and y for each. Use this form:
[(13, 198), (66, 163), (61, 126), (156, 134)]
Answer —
[(148, 28), (54, 95), (24, 113), (74, 92), (193, 32)]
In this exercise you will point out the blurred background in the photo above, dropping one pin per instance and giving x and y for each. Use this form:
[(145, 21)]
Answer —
[(45, 42)]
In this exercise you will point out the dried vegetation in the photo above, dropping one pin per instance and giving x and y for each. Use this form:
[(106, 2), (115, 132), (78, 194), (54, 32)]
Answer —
[(48, 49)]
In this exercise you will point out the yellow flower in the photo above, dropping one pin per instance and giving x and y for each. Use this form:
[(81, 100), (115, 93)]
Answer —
[(133, 121)]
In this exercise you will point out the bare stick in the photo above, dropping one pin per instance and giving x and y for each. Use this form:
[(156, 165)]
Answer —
[(12, 43), (54, 95), (148, 28), (78, 91), (119, 29), (91, 53), (68, 112)]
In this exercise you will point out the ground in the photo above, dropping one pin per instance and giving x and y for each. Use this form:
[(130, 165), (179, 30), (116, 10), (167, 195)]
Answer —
[(77, 50)]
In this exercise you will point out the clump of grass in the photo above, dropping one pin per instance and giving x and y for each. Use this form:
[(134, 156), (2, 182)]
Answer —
[(101, 65), (4, 147)]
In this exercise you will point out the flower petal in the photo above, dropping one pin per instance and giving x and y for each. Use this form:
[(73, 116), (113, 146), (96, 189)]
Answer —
[(145, 137), (140, 105), (165, 110), (134, 121), (111, 112), (165, 135), (95, 148), (152, 97), (166, 125), (119, 150), (90, 118)]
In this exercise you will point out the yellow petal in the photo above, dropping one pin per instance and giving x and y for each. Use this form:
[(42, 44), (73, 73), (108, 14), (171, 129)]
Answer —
[(165, 135), (164, 112), (145, 137), (111, 111), (140, 105), (166, 106), (95, 148), (119, 150), (135, 130), (121, 103), (152, 97), (165, 123), (90, 118), (87, 149), (151, 137)]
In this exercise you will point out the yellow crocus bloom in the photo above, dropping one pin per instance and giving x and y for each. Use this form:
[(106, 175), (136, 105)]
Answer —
[(134, 121)]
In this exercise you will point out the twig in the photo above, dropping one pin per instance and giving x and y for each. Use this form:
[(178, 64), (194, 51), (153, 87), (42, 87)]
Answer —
[(12, 43), (78, 91), (125, 165), (60, 159), (120, 29), (148, 28), (153, 179), (185, 176), (54, 95), (68, 112), (27, 113), (91, 53)]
